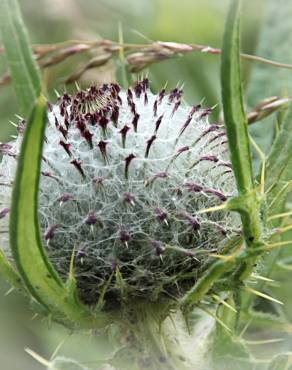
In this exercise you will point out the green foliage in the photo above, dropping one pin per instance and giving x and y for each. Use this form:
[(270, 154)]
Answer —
[(59, 298), (19, 55), (248, 203), (278, 186), (279, 164), (237, 356), (41, 279), (234, 115), (24, 222), (262, 320), (281, 151), (202, 287)]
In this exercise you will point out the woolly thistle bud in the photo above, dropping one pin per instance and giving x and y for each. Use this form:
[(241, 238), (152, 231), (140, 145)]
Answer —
[(124, 174)]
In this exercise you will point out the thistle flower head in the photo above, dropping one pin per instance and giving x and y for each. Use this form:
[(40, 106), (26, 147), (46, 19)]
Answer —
[(124, 174)]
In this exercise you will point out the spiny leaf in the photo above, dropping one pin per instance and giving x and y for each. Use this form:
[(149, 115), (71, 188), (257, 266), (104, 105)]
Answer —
[(234, 115), (40, 277), (279, 166), (278, 177), (281, 151), (204, 284), (19, 55), (248, 203), (229, 350), (263, 320)]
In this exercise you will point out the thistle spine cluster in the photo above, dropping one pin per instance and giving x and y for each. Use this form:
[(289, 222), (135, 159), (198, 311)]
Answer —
[(124, 175)]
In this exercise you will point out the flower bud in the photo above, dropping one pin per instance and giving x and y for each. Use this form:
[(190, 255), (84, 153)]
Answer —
[(131, 170)]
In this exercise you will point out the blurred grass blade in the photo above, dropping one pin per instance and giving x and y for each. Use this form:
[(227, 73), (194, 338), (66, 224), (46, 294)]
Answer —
[(234, 115), (21, 63), (8, 272), (40, 277), (123, 74)]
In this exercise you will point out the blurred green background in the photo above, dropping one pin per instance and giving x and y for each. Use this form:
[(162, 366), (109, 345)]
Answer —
[(187, 21)]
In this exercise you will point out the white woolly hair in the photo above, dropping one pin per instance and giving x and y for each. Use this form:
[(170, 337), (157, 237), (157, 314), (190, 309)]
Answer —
[(124, 174)]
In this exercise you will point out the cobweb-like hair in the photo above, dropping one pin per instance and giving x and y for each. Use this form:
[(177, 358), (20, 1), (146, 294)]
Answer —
[(124, 174)]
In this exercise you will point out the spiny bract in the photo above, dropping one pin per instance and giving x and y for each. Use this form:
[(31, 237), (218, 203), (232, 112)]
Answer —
[(124, 175)]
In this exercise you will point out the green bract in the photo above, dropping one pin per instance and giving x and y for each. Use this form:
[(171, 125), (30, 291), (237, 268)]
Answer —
[(131, 208)]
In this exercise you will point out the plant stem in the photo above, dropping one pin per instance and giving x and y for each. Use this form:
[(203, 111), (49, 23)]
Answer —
[(151, 341)]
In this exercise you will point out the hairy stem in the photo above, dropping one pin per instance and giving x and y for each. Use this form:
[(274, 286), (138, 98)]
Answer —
[(153, 342)]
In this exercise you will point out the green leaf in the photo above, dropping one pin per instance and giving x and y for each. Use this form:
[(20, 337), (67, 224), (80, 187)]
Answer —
[(264, 320), (248, 203), (278, 175), (281, 151), (229, 351), (41, 279), (204, 284), (279, 166), (22, 66), (234, 115)]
